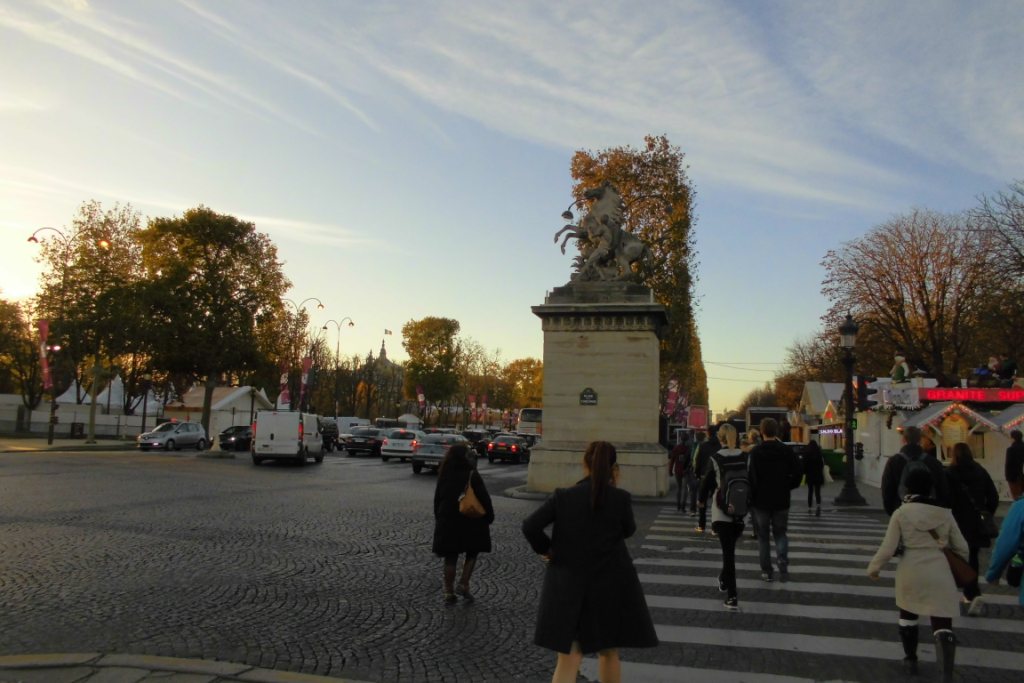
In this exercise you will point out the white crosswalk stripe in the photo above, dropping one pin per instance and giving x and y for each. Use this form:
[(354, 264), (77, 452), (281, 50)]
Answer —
[(828, 610)]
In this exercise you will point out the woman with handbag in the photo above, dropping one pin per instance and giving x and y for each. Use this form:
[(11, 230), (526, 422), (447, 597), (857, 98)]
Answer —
[(591, 600), (924, 581), (458, 529), (974, 499)]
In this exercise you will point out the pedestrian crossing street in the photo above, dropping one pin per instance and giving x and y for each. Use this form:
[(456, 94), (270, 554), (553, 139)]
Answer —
[(829, 622)]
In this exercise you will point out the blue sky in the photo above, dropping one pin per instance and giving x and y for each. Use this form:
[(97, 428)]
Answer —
[(411, 158)]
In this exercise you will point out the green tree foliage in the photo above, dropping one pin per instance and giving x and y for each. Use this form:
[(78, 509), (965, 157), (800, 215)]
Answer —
[(659, 200), (214, 280), (92, 291), (19, 355), (434, 351)]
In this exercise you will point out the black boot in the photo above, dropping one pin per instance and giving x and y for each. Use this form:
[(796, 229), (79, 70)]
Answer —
[(908, 636), (945, 653)]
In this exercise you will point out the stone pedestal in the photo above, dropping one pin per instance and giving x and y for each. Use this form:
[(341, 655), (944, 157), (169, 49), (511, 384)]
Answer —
[(601, 362)]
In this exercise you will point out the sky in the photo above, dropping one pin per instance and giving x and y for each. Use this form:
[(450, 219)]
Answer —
[(411, 159)]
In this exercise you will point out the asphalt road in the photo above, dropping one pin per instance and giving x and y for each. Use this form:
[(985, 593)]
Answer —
[(326, 569)]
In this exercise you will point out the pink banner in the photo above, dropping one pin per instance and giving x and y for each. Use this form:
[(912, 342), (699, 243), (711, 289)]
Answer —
[(44, 363)]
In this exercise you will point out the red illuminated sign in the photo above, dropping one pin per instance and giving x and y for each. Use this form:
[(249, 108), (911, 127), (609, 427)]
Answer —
[(973, 394)]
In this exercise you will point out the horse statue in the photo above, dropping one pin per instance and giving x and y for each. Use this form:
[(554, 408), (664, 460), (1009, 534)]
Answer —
[(607, 252)]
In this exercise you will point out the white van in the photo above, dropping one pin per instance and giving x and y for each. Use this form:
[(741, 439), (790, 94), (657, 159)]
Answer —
[(286, 435)]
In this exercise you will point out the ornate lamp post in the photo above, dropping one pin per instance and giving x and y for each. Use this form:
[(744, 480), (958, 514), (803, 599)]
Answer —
[(299, 308), (103, 244), (848, 339), (337, 355)]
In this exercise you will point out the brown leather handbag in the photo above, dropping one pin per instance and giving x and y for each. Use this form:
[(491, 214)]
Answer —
[(963, 573), (469, 504)]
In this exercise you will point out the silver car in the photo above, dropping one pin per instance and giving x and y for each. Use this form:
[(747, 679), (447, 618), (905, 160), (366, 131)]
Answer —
[(399, 443), (174, 436), (431, 450)]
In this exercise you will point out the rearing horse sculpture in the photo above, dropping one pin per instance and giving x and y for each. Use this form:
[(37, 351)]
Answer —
[(607, 250)]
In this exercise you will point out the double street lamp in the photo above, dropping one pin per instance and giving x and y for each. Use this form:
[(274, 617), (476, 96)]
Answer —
[(103, 244), (848, 340), (337, 355), (299, 308)]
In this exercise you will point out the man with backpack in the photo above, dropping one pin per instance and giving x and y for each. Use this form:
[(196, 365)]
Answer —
[(727, 486), (774, 471), (910, 458)]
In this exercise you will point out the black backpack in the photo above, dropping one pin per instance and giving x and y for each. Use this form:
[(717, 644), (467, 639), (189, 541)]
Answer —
[(912, 465), (733, 495)]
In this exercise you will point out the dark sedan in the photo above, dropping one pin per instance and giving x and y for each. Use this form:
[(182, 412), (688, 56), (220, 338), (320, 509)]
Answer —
[(508, 447), (365, 441), (237, 438)]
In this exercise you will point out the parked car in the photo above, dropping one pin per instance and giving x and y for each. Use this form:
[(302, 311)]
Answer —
[(430, 450), (508, 447), (399, 443), (287, 435), (173, 436), (236, 438), (329, 433), (365, 440)]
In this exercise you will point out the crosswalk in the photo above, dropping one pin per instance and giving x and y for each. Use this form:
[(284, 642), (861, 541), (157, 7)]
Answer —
[(828, 622)]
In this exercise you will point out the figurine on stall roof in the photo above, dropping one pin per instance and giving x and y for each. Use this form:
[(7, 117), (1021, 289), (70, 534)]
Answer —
[(900, 370)]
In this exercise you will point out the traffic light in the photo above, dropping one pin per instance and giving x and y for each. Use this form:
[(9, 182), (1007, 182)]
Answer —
[(858, 451), (866, 395)]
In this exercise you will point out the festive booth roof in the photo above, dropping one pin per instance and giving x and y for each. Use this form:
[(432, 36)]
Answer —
[(935, 413), (1011, 418)]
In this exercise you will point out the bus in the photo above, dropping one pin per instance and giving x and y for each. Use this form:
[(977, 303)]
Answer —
[(530, 424)]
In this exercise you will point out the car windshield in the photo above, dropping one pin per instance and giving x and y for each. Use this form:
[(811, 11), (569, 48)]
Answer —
[(166, 427), (402, 434), (365, 431), (506, 439), (237, 429)]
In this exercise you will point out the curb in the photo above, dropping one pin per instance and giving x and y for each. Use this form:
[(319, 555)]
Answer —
[(84, 665)]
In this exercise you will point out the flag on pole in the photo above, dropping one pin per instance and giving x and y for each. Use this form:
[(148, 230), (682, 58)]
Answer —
[(307, 363), (386, 331), (420, 396)]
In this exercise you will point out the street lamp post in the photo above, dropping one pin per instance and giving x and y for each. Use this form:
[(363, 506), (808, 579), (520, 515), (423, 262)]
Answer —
[(104, 244), (337, 355), (147, 381), (848, 339), (299, 308)]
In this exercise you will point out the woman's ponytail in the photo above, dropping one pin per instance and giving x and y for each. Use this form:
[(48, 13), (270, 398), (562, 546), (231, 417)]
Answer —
[(600, 459)]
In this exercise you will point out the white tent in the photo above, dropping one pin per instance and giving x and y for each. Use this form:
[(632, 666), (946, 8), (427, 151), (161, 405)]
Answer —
[(71, 395), (112, 397)]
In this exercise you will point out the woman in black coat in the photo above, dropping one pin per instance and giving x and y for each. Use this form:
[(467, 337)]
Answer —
[(454, 533), (971, 492), (814, 472), (591, 600)]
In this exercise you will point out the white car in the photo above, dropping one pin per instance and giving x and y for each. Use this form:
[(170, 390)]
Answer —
[(173, 435), (400, 443)]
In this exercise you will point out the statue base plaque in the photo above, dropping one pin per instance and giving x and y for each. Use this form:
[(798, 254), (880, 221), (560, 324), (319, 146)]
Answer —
[(601, 362)]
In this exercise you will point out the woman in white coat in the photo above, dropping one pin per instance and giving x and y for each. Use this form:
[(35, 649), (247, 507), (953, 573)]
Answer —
[(924, 582)]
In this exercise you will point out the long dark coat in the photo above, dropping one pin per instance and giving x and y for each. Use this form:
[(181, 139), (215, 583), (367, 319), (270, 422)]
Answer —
[(814, 465), (455, 533), (971, 491), (591, 591)]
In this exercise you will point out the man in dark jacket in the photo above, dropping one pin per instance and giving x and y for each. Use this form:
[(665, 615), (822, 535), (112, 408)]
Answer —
[(701, 465), (774, 472), (893, 472), (1014, 468)]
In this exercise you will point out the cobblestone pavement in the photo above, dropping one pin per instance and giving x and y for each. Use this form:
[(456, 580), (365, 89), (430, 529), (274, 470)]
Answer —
[(326, 569)]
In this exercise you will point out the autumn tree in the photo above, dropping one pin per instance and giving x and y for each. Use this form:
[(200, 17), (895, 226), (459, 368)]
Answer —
[(525, 376), (215, 280), (434, 350), (917, 283), (761, 396), (659, 200), (1002, 216)]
